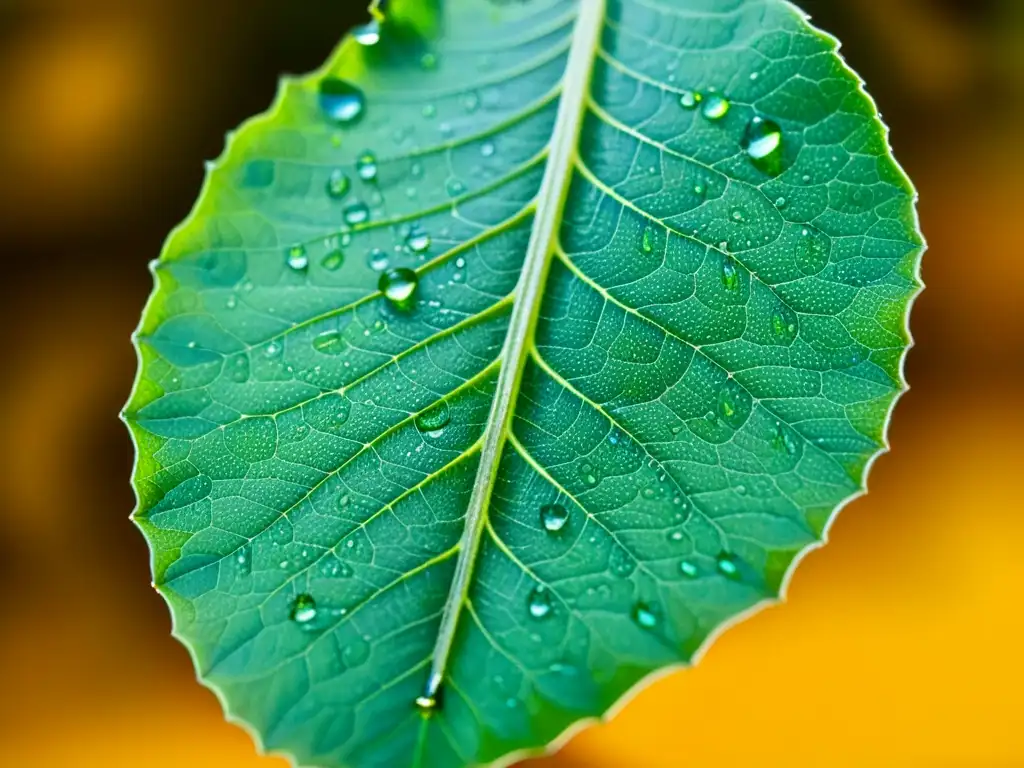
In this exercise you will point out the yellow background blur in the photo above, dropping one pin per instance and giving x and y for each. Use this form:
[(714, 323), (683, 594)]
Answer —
[(902, 642)]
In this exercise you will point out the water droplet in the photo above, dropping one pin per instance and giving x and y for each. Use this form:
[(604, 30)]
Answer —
[(780, 202), (811, 252), (418, 241), (341, 101), (487, 149), (539, 602), (357, 213), (588, 474), (727, 565), (553, 517), (647, 241), (337, 184), (688, 569), (454, 187), (377, 259), (398, 285), (715, 107), (645, 616), (426, 704), (298, 259), (784, 323), (329, 343), (730, 275), (303, 609), (273, 349), (333, 261), (428, 61), (690, 99), (429, 110), (366, 166), (620, 561), (676, 536), (434, 418), (784, 440), (470, 102), (762, 142), (244, 560), (356, 652), (367, 34)]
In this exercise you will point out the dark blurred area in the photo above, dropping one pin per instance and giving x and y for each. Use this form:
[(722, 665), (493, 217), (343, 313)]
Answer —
[(899, 642)]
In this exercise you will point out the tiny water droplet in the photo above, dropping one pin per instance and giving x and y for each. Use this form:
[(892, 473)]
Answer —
[(429, 110), (730, 275), (357, 213), (715, 107), (398, 285), (273, 349), (426, 704), (333, 261), (645, 616), (647, 241), (784, 440), (588, 474), (341, 101), (366, 166), (539, 602), (690, 99), (553, 517), (434, 418), (303, 609), (298, 259), (487, 149), (367, 34), (727, 565), (780, 202), (329, 343), (688, 569)]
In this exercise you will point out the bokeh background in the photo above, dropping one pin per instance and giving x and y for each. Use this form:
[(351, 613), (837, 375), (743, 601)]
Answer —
[(901, 642)]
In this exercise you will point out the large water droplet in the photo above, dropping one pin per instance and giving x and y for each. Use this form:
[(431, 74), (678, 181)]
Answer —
[(303, 609), (645, 616), (434, 418), (398, 285), (553, 517), (366, 166), (357, 213), (297, 258), (762, 142), (539, 602), (341, 101), (715, 107), (367, 34)]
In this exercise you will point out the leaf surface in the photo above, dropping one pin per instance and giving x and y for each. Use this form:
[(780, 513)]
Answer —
[(509, 357)]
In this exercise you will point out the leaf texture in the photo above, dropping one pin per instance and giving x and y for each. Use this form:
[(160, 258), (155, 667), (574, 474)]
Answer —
[(509, 357)]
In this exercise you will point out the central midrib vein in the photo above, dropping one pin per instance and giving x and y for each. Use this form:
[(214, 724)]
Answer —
[(550, 203)]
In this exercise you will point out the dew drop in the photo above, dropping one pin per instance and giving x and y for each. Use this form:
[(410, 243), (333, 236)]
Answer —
[(780, 202), (244, 560), (273, 349), (329, 343), (487, 149), (454, 187), (398, 286), (588, 474), (647, 241), (366, 166), (690, 99), (645, 616), (297, 258), (377, 259), (715, 107), (553, 517), (727, 565), (418, 241), (434, 418), (357, 213), (762, 141), (304, 609), (341, 101), (730, 275), (367, 34), (539, 602), (426, 704), (688, 569), (337, 184)]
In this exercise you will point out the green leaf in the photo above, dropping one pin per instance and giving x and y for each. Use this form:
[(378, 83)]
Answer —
[(510, 357)]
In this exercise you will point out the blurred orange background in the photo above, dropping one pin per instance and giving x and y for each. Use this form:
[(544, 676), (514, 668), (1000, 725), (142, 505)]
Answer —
[(900, 643)]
